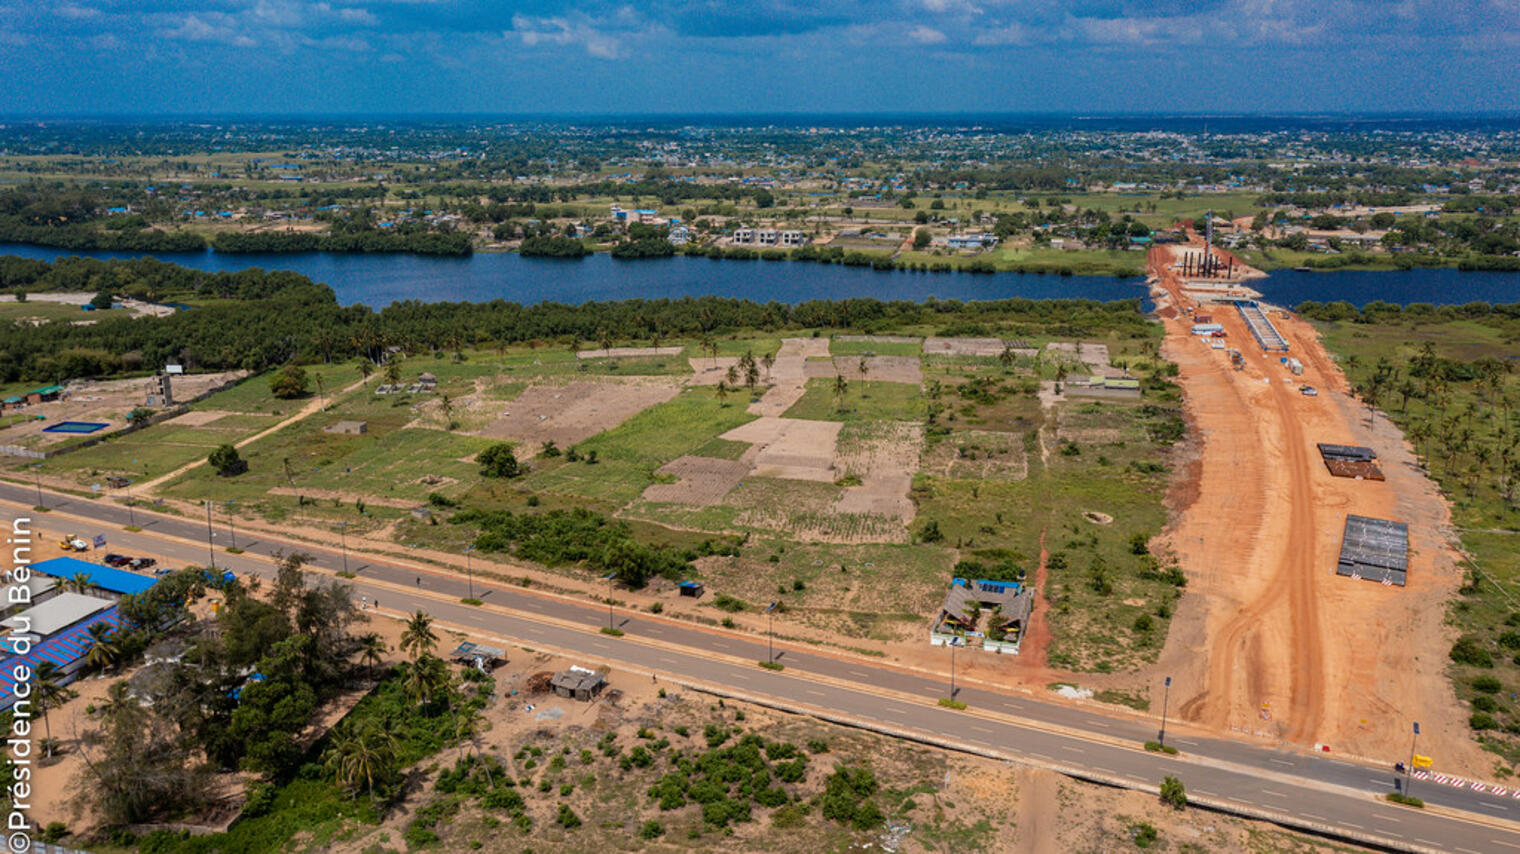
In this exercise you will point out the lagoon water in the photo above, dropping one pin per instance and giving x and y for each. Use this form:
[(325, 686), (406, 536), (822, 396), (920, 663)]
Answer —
[(380, 279)]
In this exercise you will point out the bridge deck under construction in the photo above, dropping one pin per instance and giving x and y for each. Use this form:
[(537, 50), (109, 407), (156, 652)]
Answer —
[(1256, 319)]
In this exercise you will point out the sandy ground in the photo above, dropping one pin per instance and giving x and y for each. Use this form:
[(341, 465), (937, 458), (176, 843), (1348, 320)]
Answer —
[(887, 369), (934, 346), (885, 464), (568, 414), (703, 480), (786, 381), (1094, 357), (1268, 641), (101, 401), (629, 352), (790, 448)]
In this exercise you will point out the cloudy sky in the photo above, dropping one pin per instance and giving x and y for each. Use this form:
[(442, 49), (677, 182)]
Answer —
[(757, 56)]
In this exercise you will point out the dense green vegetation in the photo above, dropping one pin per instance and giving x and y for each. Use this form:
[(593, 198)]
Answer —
[(1445, 376)]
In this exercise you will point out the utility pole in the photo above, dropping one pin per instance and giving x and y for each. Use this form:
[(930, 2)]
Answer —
[(231, 530), (37, 473), (1409, 769), (608, 578), (770, 629), (954, 642), (1166, 698), (343, 542), (468, 574), (210, 551)]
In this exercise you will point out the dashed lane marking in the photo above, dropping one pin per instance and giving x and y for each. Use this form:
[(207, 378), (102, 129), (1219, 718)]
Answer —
[(1273, 794), (1281, 762)]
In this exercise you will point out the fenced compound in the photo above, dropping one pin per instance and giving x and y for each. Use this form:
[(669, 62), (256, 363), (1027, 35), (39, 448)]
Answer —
[(1256, 319), (1351, 461), (1375, 549)]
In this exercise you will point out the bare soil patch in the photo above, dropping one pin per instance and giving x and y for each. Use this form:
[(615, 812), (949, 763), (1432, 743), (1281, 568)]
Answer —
[(571, 413), (888, 369), (198, 418), (978, 455), (879, 339), (106, 402), (703, 480), (934, 346), (629, 352), (885, 459), (790, 448)]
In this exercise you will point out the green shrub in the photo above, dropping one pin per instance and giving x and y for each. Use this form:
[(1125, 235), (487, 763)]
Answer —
[(651, 830), (1487, 684), (1482, 721), (567, 817), (1485, 703), (1173, 793), (1468, 651)]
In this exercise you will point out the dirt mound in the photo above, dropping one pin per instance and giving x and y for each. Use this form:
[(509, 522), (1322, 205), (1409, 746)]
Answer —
[(538, 683)]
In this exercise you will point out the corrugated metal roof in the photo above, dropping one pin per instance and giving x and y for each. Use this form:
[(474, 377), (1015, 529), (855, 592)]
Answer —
[(63, 650), (104, 577), (57, 613)]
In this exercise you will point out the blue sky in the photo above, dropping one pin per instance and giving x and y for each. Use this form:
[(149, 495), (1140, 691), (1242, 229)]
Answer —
[(760, 56)]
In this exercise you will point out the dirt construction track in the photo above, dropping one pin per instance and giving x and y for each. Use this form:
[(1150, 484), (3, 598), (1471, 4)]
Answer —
[(1268, 641)]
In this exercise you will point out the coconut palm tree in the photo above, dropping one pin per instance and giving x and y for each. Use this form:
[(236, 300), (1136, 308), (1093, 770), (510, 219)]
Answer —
[(426, 679), (721, 390), (361, 757), (79, 582), (769, 361), (840, 388), (418, 638), (366, 367), (104, 650), (393, 370), (372, 650), (51, 694)]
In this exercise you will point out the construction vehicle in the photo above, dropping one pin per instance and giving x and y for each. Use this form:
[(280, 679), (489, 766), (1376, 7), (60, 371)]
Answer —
[(1238, 360), (71, 543)]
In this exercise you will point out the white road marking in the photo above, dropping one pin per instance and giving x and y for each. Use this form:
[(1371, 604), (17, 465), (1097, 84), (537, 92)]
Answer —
[(1207, 793), (1185, 741), (1281, 762), (894, 710), (982, 729), (1427, 841), (741, 676), (1315, 817), (667, 660), (814, 693), (1505, 844), (1099, 723), (1495, 806), (1072, 749), (1357, 826), (1273, 794), (858, 673), (1381, 817)]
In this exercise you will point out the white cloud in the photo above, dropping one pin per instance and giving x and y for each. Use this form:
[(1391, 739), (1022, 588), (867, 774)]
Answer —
[(943, 7), (74, 12), (215, 27), (927, 35), (562, 31)]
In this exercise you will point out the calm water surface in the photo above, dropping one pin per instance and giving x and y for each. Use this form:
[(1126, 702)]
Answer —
[(378, 280)]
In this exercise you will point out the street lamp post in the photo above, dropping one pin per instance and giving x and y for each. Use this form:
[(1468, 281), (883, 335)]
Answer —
[(343, 543), (770, 630), (1409, 769), (1166, 698), (954, 642), (608, 578), (37, 473), (468, 573), (131, 513), (210, 551), (231, 529)]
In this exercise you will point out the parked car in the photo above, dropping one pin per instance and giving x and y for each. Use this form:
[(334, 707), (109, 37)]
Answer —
[(117, 560), (141, 563), (1308, 391)]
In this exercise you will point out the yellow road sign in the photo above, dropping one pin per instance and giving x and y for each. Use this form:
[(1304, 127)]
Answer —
[(1422, 761)]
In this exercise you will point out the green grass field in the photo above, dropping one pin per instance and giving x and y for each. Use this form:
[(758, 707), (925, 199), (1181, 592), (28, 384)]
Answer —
[(838, 347), (862, 401)]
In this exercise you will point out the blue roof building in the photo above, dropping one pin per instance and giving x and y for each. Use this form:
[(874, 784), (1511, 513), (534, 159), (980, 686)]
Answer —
[(106, 578)]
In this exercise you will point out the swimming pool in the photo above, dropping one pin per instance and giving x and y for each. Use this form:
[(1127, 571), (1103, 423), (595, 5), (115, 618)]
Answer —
[(76, 427)]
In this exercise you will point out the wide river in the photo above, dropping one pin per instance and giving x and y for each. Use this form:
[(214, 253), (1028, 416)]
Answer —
[(378, 280)]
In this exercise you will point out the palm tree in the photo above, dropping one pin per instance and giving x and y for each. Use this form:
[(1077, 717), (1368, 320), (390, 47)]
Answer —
[(769, 361), (365, 369), (418, 638), (1006, 357), (865, 368), (103, 649), (732, 375), (721, 390), (50, 694), (372, 650), (361, 757), (426, 678), (79, 582), (840, 387), (393, 370)]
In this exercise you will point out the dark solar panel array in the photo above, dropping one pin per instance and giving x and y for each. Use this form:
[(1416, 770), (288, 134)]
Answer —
[(1353, 453), (1375, 549)]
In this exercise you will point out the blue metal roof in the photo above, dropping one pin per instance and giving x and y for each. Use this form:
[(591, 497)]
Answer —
[(104, 577), (61, 649)]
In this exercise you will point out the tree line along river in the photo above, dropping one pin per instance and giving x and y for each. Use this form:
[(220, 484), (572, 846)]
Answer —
[(380, 279)]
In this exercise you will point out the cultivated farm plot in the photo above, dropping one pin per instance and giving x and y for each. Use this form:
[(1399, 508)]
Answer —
[(790, 448), (890, 369), (569, 414), (703, 480), (993, 347), (978, 455)]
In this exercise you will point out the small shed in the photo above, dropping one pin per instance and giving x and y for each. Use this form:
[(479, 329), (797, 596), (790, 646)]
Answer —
[(478, 655), (348, 428), (694, 589), (578, 682), (427, 380)]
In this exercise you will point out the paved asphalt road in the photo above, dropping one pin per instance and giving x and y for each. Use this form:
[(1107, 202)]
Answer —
[(1311, 789)]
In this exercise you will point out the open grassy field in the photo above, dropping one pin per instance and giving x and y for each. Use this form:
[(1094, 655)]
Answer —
[(861, 401), (1449, 388)]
